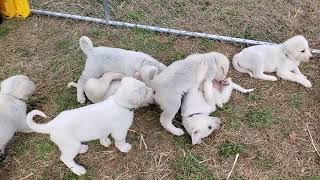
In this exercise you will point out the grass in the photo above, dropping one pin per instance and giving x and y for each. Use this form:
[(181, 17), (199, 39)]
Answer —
[(188, 168), (44, 148), (260, 117), (47, 50), (228, 149), (264, 163), (4, 31)]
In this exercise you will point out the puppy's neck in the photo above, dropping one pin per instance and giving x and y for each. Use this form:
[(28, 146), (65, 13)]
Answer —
[(121, 102)]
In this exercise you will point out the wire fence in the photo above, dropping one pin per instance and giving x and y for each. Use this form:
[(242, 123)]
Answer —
[(198, 18)]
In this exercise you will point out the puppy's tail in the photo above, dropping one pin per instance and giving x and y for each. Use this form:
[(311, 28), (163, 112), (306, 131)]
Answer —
[(72, 84), (40, 128), (235, 63), (85, 44), (240, 89)]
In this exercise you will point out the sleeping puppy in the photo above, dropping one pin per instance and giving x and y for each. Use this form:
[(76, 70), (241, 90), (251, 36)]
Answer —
[(181, 76), (284, 59), (14, 91), (198, 104), (104, 59), (113, 117), (99, 89)]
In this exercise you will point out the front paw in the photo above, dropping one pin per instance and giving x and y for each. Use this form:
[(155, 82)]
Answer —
[(78, 170), (177, 132), (125, 147), (307, 84), (81, 99)]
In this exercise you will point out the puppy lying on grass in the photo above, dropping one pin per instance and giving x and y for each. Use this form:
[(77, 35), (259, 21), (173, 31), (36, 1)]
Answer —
[(199, 103), (113, 117), (284, 59), (101, 60), (99, 89), (13, 110), (181, 76)]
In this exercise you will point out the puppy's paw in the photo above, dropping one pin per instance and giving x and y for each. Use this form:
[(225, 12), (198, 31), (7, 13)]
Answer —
[(78, 170), (307, 84), (272, 78), (249, 90), (81, 99), (105, 142), (83, 148), (178, 132), (126, 147)]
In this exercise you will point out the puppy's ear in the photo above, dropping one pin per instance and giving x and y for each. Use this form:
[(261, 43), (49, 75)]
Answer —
[(148, 73)]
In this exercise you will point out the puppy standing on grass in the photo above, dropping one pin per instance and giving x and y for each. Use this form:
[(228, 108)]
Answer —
[(13, 110), (113, 117), (284, 59), (101, 60), (181, 76)]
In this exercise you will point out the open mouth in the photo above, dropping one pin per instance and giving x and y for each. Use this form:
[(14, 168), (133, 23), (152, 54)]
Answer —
[(219, 84)]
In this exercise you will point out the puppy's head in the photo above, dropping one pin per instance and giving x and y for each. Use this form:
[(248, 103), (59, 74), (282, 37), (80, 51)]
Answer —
[(200, 126), (18, 86), (297, 48), (221, 64), (133, 93)]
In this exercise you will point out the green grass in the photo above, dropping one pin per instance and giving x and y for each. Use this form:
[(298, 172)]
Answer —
[(296, 100), (43, 148), (264, 163), (182, 141), (254, 96), (23, 147), (65, 100), (233, 123), (228, 149), (260, 117), (136, 15), (4, 31), (11, 71), (188, 168)]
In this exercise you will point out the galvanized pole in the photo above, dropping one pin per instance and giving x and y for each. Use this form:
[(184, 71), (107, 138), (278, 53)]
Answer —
[(106, 10)]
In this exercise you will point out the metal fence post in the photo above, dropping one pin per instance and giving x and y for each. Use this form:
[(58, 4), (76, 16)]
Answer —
[(106, 10)]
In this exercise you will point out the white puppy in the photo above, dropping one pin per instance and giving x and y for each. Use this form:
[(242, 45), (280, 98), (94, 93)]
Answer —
[(104, 59), (112, 117), (99, 89), (198, 104), (181, 76), (12, 108), (284, 59)]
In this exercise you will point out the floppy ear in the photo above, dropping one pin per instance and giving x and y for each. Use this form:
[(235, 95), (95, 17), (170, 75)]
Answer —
[(148, 72), (137, 96)]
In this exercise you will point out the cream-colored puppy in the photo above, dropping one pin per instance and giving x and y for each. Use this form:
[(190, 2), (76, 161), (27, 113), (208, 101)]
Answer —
[(284, 59), (198, 104), (99, 89), (101, 60), (112, 117), (181, 76), (13, 110)]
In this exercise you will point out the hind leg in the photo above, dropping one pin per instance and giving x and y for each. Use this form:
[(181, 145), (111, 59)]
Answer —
[(170, 104), (6, 135), (258, 73), (69, 148)]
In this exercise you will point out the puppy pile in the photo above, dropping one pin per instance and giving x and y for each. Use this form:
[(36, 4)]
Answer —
[(118, 81)]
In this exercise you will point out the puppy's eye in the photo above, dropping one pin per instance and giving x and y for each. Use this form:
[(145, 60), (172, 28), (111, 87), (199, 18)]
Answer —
[(303, 51), (209, 127), (196, 132)]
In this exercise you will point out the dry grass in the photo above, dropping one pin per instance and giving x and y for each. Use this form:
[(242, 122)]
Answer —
[(275, 145)]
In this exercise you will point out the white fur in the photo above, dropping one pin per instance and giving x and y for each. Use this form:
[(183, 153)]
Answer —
[(97, 121), (181, 76), (101, 60), (198, 104), (12, 108), (284, 59)]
